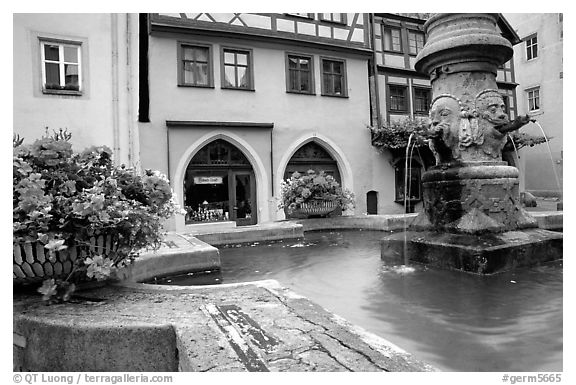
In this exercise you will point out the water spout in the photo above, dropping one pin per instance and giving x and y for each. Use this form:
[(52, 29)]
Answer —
[(515, 151), (558, 184), (406, 194)]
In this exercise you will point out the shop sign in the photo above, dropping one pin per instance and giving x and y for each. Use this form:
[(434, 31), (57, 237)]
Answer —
[(207, 180)]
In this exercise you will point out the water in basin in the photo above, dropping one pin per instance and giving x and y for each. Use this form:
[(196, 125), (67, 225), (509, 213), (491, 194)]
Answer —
[(454, 321)]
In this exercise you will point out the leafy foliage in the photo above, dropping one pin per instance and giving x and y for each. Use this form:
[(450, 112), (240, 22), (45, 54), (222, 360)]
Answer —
[(313, 187), (62, 199), (395, 135)]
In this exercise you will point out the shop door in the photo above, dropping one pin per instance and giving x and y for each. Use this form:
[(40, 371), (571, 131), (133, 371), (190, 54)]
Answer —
[(243, 198)]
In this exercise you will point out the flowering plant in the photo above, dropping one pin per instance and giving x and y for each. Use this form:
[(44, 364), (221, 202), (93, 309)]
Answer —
[(63, 199), (395, 135), (313, 187)]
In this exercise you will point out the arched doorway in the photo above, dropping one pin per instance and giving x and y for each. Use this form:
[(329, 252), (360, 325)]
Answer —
[(312, 156), (219, 185)]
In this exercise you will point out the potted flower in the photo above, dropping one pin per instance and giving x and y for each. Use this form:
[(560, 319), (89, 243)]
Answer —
[(314, 195), (77, 217)]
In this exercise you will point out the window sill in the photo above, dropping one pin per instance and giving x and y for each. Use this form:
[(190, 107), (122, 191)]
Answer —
[(393, 52), (301, 93), (238, 89), (62, 92), (535, 112), (336, 96), (194, 86), (398, 111)]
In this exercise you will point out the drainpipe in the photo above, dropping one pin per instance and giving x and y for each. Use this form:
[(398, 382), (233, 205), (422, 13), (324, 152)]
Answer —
[(115, 85), (272, 163), (375, 71), (132, 149)]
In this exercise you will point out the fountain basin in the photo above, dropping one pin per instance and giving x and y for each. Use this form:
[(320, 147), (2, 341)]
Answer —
[(479, 254)]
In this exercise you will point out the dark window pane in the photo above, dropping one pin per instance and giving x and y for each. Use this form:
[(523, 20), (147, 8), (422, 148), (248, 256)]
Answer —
[(326, 66), (338, 85), (188, 53), (304, 64), (51, 52), (52, 74), (304, 83), (328, 84), (293, 74), (292, 62), (71, 54), (201, 54)]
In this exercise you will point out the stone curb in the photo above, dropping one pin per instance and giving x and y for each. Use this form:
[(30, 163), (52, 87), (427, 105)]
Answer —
[(259, 326)]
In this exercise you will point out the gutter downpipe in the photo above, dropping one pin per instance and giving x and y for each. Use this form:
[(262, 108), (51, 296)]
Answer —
[(375, 69), (115, 99)]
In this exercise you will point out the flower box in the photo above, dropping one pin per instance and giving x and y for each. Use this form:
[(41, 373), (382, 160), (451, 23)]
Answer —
[(319, 209), (33, 263)]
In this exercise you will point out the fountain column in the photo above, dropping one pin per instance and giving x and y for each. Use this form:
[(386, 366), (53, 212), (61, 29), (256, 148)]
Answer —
[(471, 190), (473, 219)]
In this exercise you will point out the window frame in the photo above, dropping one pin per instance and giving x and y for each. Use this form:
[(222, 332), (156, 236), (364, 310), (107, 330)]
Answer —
[(180, 68), (539, 97), (344, 81), (415, 32), (429, 99), (249, 67), (343, 18), (61, 66), (531, 48), (406, 101), (311, 71), (391, 28)]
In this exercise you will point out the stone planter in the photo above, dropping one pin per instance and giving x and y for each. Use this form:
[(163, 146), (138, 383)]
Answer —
[(31, 262), (317, 209)]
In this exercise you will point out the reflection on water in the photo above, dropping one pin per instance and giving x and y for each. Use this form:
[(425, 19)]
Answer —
[(455, 321)]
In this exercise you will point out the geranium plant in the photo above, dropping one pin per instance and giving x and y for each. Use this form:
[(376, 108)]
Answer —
[(63, 199), (314, 187)]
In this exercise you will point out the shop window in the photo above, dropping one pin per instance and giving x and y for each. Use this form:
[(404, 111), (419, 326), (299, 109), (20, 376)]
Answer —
[(299, 74), (312, 156)]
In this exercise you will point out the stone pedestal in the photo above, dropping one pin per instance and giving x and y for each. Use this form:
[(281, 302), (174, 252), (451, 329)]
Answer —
[(477, 254), (472, 198)]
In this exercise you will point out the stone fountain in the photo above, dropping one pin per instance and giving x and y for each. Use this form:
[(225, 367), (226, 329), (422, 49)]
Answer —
[(473, 219)]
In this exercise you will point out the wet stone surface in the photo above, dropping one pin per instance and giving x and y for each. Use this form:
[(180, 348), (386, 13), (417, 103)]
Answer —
[(245, 327)]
